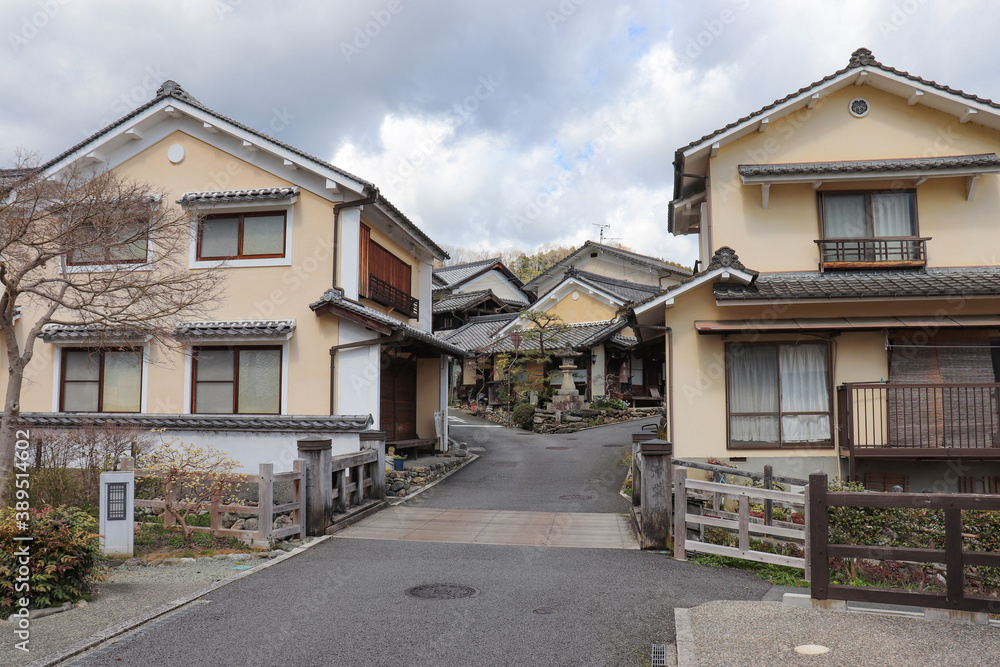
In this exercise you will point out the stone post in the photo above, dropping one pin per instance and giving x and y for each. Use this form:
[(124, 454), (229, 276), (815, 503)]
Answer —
[(118, 513), (656, 489), (376, 440), (316, 453)]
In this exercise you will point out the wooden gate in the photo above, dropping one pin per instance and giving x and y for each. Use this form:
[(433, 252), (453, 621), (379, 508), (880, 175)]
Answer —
[(741, 522)]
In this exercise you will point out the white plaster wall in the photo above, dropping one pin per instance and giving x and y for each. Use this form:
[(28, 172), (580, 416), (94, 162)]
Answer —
[(253, 448)]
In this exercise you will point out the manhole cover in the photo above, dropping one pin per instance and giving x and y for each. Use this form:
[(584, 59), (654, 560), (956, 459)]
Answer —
[(442, 592), (545, 611), (557, 448), (505, 464), (576, 496)]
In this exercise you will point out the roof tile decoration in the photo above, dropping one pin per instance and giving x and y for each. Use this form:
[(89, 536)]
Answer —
[(930, 283), (626, 290), (89, 332), (335, 298), (870, 166), (235, 329), (238, 196), (627, 255), (289, 423)]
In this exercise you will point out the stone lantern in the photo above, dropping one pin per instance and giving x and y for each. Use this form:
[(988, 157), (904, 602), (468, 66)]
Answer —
[(567, 397)]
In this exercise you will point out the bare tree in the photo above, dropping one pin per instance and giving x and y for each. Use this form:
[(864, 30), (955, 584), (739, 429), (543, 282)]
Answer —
[(98, 250)]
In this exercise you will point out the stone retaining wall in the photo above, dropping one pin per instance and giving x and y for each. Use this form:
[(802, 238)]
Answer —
[(401, 483)]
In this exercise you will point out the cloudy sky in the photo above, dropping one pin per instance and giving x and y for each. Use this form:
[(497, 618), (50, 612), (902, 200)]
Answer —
[(490, 124)]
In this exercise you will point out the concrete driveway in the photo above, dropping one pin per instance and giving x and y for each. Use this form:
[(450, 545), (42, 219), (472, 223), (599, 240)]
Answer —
[(356, 601)]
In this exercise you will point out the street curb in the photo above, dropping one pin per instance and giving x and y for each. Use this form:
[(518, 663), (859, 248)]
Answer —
[(125, 626), (686, 656), (472, 457)]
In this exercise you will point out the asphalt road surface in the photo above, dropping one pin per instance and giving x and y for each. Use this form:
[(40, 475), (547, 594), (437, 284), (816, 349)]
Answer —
[(345, 602)]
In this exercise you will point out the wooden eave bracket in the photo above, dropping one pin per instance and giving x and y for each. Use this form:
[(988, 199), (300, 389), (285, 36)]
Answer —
[(862, 78), (914, 97), (715, 149), (211, 128), (764, 122), (969, 115), (172, 111), (291, 165), (250, 147), (813, 101), (765, 194), (134, 134)]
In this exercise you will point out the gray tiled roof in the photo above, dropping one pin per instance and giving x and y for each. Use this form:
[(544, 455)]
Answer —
[(456, 273), (234, 328), (477, 332), (860, 58), (581, 335), (88, 332), (461, 300), (335, 298), (238, 196), (625, 290), (871, 166), (723, 258), (979, 281), (290, 423)]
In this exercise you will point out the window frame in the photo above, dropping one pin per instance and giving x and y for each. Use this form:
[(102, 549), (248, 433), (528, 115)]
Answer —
[(63, 351), (241, 216), (236, 375), (107, 262), (870, 215), (781, 444)]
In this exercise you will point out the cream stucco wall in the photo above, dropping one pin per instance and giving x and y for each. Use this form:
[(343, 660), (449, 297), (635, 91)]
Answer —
[(781, 238), (584, 309), (428, 396)]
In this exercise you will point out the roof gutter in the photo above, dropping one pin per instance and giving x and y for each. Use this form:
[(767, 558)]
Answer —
[(337, 208)]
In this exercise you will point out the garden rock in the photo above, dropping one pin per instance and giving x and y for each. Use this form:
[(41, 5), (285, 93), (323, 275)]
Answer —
[(282, 521), (238, 525), (275, 553), (136, 562), (250, 524)]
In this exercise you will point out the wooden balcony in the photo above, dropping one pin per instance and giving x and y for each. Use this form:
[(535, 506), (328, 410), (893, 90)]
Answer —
[(919, 421), (885, 252), (382, 292)]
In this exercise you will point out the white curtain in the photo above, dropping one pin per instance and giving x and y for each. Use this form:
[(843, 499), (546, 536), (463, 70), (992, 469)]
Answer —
[(893, 216), (260, 382), (264, 235), (804, 388), (753, 387), (122, 381), (844, 216)]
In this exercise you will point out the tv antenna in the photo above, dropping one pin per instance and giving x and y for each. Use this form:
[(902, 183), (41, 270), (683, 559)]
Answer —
[(602, 227)]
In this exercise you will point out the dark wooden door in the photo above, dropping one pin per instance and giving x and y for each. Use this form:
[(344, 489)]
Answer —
[(399, 400)]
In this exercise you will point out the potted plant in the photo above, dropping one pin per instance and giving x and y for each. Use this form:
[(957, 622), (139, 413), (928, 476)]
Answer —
[(397, 459)]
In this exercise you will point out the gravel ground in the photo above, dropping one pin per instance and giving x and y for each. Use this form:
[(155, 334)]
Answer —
[(730, 634), (127, 592)]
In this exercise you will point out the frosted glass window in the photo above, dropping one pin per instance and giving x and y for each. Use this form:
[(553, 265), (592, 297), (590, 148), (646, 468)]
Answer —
[(102, 381), (264, 235), (260, 381), (238, 380), (220, 237)]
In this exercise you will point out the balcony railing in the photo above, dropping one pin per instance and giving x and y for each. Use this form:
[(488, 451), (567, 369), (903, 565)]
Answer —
[(382, 292), (881, 252), (922, 420)]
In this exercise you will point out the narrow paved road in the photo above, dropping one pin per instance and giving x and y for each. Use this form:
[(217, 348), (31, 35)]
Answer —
[(345, 601)]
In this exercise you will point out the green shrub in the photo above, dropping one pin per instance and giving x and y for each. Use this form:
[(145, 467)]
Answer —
[(64, 556), (608, 403), (523, 416)]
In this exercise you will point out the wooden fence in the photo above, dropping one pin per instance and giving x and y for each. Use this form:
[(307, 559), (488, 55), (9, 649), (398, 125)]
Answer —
[(265, 509), (954, 556), (741, 522), (357, 479)]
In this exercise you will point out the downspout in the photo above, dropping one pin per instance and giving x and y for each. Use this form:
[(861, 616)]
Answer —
[(670, 384), (337, 208)]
